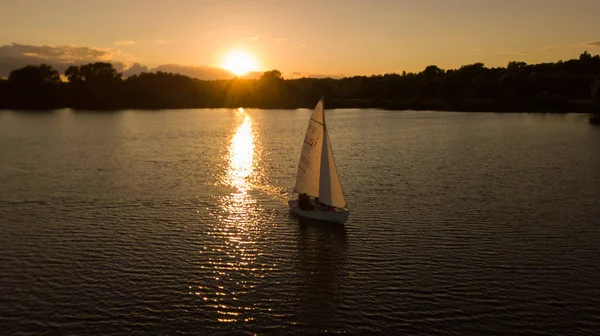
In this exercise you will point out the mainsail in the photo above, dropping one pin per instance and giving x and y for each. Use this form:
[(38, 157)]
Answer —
[(317, 174), (330, 188)]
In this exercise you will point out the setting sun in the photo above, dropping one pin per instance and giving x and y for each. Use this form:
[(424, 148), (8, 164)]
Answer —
[(239, 62)]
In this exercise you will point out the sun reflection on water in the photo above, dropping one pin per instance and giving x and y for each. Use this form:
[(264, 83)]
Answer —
[(236, 234), (241, 155)]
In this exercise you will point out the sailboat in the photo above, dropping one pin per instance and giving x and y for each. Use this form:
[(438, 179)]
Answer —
[(317, 181)]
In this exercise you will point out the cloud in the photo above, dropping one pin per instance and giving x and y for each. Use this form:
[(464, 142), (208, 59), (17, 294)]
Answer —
[(200, 72), (280, 40), (16, 55), (64, 54), (297, 74), (592, 44), (303, 45), (162, 41), (522, 53), (253, 38), (333, 76), (124, 42), (476, 50), (134, 69), (212, 73)]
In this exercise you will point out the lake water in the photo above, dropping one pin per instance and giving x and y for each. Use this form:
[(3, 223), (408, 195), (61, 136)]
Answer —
[(175, 222)]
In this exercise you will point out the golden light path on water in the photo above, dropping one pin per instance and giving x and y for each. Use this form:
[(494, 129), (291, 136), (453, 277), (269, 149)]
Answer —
[(237, 230), (241, 155)]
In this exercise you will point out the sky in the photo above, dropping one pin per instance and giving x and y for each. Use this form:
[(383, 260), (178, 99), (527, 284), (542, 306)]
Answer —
[(302, 37)]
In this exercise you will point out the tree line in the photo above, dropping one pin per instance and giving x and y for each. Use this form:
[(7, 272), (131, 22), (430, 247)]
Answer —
[(563, 86)]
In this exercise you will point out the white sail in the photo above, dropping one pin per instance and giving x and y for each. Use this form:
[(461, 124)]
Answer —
[(307, 178), (317, 174), (330, 188)]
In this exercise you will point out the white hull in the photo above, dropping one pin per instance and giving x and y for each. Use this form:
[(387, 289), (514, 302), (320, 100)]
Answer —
[(337, 216)]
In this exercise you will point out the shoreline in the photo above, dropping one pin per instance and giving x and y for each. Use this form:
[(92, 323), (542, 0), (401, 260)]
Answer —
[(478, 106)]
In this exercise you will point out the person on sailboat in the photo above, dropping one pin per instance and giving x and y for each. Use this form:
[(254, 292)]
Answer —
[(317, 175), (320, 205), (304, 202)]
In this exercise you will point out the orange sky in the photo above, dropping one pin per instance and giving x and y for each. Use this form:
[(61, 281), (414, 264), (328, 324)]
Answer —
[(309, 36)]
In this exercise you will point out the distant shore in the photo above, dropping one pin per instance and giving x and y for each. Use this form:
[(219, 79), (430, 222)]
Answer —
[(471, 105), (477, 105), (560, 87)]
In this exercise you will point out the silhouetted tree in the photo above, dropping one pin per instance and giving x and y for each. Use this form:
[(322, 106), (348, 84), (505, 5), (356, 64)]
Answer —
[(432, 70), (585, 56), (272, 89), (551, 87), (94, 85), (595, 90), (34, 76), (272, 75), (595, 93), (161, 90), (513, 65), (99, 72), (33, 87)]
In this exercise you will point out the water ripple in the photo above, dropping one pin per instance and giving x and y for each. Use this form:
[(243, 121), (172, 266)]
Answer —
[(144, 223)]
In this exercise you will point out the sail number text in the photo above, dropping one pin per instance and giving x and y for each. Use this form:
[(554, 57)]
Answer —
[(310, 141), (304, 161)]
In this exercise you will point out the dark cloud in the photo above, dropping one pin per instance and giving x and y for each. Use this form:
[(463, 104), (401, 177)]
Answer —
[(134, 69), (200, 72), (592, 44), (297, 74), (16, 55), (64, 54), (324, 76)]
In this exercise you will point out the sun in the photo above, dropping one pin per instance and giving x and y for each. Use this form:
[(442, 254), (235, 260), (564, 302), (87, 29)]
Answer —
[(239, 62)]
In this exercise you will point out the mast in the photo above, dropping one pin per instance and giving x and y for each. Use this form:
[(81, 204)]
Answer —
[(330, 188), (323, 100)]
